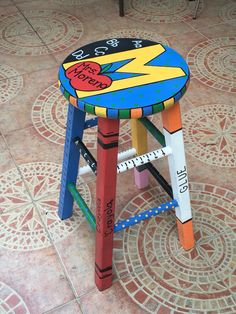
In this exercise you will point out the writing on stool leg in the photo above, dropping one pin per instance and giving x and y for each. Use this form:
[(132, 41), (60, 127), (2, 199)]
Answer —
[(109, 217), (182, 180), (98, 220)]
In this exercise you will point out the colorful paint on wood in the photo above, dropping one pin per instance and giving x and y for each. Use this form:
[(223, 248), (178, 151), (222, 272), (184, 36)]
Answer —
[(139, 142), (123, 78), (107, 151), (74, 128), (115, 79), (178, 173)]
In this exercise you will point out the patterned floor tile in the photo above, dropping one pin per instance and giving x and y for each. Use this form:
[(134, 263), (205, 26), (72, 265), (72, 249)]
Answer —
[(163, 278), (11, 301), (49, 114), (161, 11), (35, 278), (137, 33), (113, 300), (24, 215), (190, 39), (6, 161), (77, 252), (210, 134), (57, 29), (18, 94), (28, 44), (73, 2), (13, 23), (200, 94), (5, 3), (217, 31), (26, 53), (212, 62), (228, 13), (152, 273), (10, 83), (208, 16), (31, 147)]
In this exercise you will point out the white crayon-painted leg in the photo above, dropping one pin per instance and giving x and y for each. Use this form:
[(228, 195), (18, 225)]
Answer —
[(178, 172)]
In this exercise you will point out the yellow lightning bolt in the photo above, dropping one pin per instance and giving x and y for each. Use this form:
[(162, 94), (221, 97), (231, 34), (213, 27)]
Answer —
[(141, 56)]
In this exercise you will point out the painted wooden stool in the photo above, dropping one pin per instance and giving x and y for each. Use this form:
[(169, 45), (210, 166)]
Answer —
[(124, 79)]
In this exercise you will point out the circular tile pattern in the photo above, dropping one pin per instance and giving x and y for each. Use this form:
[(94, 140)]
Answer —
[(163, 278), (213, 63), (11, 301), (13, 25), (24, 45), (21, 220), (228, 13), (49, 113), (58, 31), (10, 83), (211, 134), (136, 33), (165, 11)]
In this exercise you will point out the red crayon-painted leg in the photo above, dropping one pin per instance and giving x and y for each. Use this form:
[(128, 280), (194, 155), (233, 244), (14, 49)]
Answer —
[(108, 134)]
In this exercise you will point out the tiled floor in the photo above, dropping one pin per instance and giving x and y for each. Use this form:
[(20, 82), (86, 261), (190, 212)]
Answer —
[(46, 265)]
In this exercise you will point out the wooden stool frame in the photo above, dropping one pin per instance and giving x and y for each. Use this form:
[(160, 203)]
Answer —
[(106, 167)]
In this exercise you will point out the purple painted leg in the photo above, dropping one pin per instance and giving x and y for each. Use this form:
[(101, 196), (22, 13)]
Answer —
[(141, 178)]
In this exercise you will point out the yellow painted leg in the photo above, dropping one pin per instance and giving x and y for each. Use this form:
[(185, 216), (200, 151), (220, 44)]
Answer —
[(139, 142)]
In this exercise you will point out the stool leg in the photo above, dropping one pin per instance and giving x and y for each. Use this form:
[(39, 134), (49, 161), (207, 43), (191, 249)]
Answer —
[(108, 134), (74, 128), (139, 142), (178, 172)]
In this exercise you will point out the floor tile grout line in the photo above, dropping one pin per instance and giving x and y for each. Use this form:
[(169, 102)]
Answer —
[(65, 271), (41, 39), (53, 244), (212, 25), (16, 6), (29, 73), (10, 78), (17, 35), (196, 30), (45, 228), (59, 306)]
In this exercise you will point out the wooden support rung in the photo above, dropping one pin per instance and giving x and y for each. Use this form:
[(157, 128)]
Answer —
[(82, 205), (153, 130), (160, 179), (88, 157), (143, 159), (121, 156), (123, 224), (90, 123)]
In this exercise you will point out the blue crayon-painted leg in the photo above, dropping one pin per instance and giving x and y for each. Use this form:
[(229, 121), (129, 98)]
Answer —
[(75, 128)]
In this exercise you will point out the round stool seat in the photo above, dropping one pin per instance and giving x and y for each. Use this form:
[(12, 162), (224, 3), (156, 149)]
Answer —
[(123, 78)]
